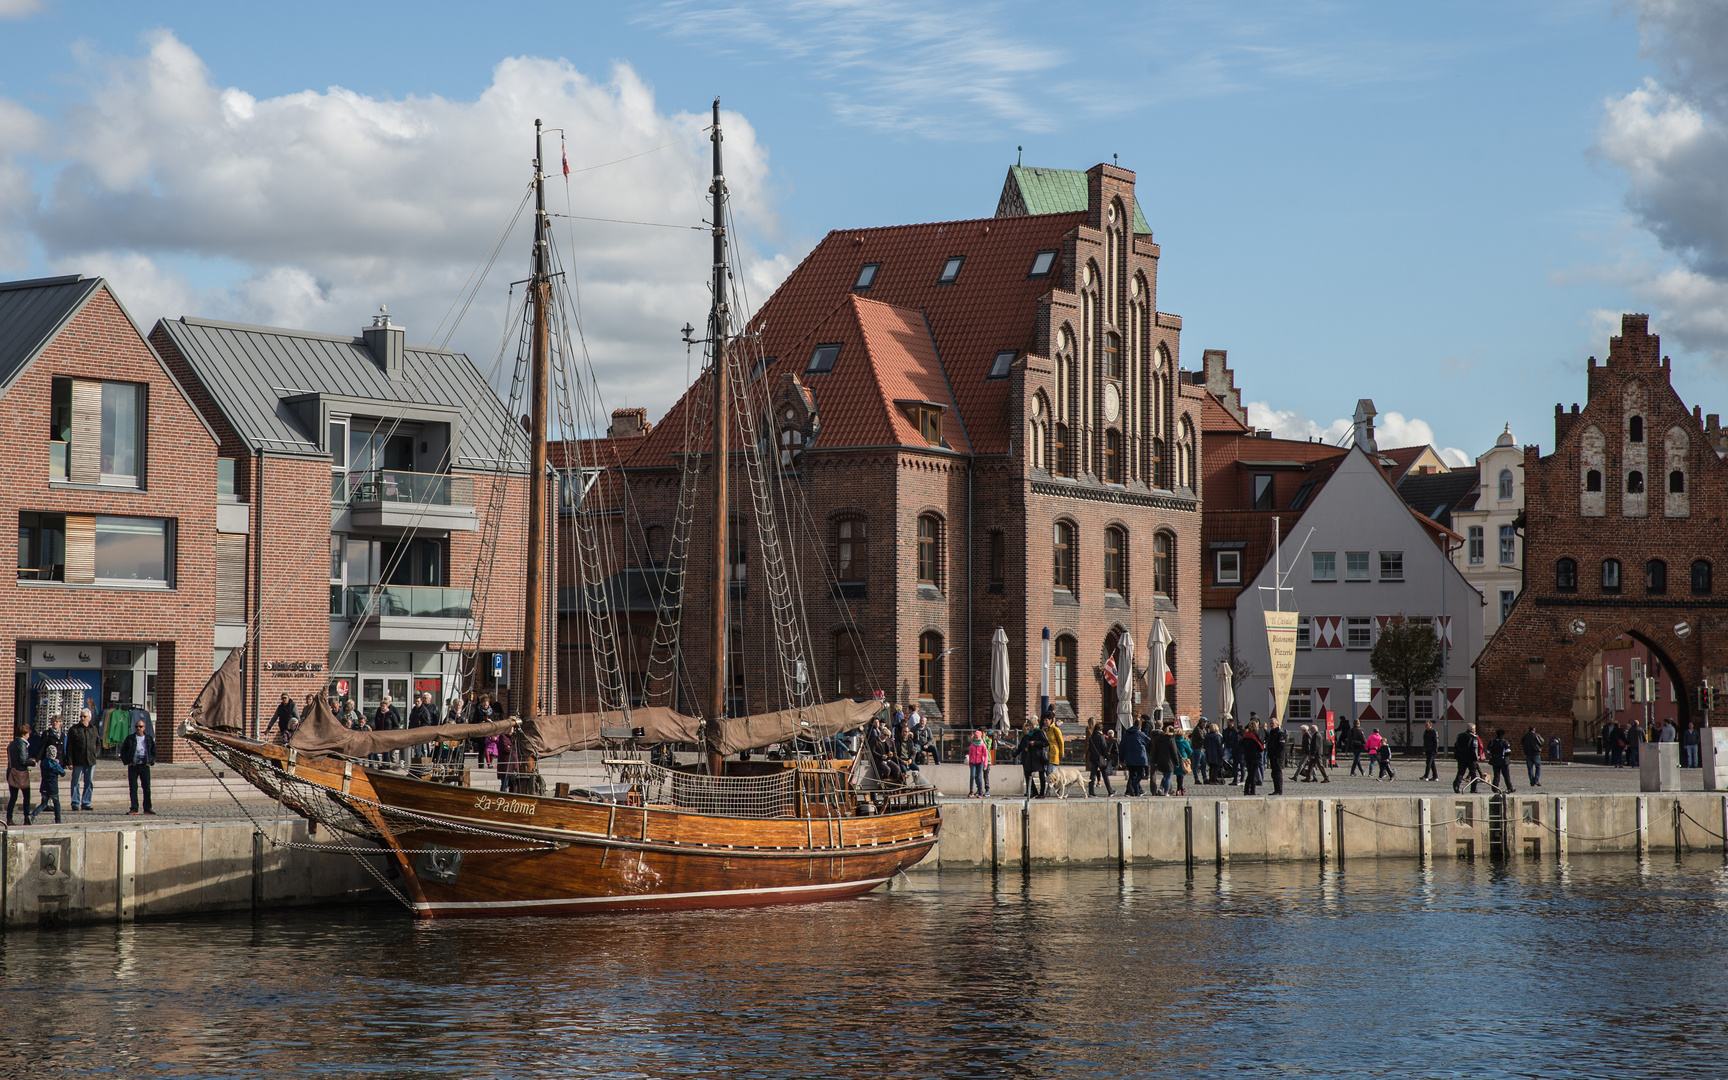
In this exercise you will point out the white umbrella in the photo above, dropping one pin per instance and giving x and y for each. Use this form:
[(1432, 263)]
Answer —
[(1125, 679), (1226, 691), (999, 679), (1156, 671)]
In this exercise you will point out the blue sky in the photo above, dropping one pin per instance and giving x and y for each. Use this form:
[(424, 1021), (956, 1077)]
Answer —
[(1441, 207)]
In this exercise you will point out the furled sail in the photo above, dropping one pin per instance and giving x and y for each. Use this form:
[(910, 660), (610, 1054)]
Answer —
[(321, 733), (220, 705), (549, 735)]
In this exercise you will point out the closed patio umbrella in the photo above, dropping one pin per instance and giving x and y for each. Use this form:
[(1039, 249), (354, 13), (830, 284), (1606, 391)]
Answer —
[(1226, 691), (1125, 677), (1157, 674), (999, 679)]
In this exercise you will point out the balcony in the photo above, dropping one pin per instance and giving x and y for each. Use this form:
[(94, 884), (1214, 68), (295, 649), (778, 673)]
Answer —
[(395, 499), (409, 613)]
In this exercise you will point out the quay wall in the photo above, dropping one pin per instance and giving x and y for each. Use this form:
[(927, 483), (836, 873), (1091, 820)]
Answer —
[(55, 876), (1113, 832)]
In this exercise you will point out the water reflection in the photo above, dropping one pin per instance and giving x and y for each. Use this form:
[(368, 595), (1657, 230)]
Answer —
[(1603, 967)]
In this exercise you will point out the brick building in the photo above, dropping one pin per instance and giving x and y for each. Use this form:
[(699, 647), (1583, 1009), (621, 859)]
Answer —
[(111, 481), (1622, 535), (987, 424), (363, 482)]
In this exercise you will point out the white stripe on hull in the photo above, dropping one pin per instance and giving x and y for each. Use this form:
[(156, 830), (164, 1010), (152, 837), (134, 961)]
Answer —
[(800, 891)]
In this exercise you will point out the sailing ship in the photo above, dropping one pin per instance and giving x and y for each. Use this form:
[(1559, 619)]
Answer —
[(718, 832)]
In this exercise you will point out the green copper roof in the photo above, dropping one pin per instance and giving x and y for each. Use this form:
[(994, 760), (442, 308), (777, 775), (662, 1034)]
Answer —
[(1060, 191)]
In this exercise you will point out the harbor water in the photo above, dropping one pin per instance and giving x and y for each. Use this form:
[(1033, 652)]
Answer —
[(1604, 967)]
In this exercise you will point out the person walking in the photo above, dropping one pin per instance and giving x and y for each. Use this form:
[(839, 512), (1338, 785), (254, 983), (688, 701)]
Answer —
[(977, 765), (1469, 762), (1430, 752), (1251, 748), (1052, 735), (52, 771), (1500, 757), (1133, 748), (1383, 756), (83, 748), (1372, 745), (283, 720), (1097, 761), (1184, 760), (1276, 741), (18, 762), (1231, 738), (1358, 743), (1034, 755), (139, 754), (1532, 746), (1163, 759)]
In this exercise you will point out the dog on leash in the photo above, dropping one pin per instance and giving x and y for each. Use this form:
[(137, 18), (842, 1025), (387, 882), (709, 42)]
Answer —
[(1062, 776)]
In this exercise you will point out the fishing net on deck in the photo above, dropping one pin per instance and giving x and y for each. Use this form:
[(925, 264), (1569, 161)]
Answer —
[(774, 796)]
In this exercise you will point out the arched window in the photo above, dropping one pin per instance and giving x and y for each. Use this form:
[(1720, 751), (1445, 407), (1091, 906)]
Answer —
[(1635, 429), (1115, 547), (851, 549), (1656, 577), (1160, 465), (1610, 575), (1164, 564), (930, 667), (1113, 456), (1059, 452), (1566, 576), (1063, 556), (1700, 577), (1505, 483), (1634, 482), (1112, 356), (930, 550), (655, 541), (848, 667), (1038, 433), (1062, 668), (1593, 480), (1677, 482)]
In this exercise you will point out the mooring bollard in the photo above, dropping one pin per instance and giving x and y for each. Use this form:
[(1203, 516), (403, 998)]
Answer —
[(1223, 811), (1643, 825), (1338, 833), (1188, 836), (998, 835), (1325, 807), (1124, 833), (1560, 827), (1425, 834)]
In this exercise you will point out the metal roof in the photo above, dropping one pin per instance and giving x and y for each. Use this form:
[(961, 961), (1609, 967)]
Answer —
[(253, 371), (31, 313), (1060, 191)]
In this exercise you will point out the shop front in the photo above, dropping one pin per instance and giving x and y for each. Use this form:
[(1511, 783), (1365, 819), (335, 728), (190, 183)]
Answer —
[(63, 677), (367, 676)]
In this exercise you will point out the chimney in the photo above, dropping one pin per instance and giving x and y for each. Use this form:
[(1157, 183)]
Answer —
[(384, 340), (1364, 426), (628, 424)]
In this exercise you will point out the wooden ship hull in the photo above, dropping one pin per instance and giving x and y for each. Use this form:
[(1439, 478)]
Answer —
[(465, 852)]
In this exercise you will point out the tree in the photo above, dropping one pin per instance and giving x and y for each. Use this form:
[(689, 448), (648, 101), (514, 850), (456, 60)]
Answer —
[(1407, 660)]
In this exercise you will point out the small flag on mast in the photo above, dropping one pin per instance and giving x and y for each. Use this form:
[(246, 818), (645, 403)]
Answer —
[(566, 156)]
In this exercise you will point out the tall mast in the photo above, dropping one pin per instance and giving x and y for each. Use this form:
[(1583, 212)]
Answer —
[(533, 614), (717, 342)]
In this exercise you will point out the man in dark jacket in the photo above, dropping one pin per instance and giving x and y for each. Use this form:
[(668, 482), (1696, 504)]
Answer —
[(1275, 743), (1500, 757), (1430, 751), (283, 720), (83, 748), (1468, 763), (1231, 737), (386, 718), (139, 753), (1532, 746), (1034, 754), (1249, 755), (1133, 749)]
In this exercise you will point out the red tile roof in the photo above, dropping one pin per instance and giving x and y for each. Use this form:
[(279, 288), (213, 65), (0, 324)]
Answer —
[(1216, 418), (992, 306)]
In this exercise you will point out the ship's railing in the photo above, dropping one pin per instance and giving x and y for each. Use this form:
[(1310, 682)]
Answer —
[(725, 796)]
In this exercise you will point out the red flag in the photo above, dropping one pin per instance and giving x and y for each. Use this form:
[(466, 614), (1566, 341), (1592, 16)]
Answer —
[(566, 155), (1110, 671)]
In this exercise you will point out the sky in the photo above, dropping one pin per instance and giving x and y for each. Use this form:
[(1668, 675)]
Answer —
[(1441, 207)]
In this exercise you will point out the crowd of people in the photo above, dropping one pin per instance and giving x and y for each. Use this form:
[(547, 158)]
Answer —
[(1620, 742), (57, 752)]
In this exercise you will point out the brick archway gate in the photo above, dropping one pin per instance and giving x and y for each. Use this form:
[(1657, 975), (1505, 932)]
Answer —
[(1531, 669)]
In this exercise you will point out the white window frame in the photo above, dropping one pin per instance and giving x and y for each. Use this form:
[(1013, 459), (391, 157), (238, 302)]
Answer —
[(1478, 545), (1300, 705), (1508, 545), (1328, 559), (1350, 571), (1304, 632), (1354, 623), (1391, 566), (1507, 598), (1232, 575)]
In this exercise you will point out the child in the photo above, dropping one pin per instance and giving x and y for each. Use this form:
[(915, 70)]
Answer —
[(52, 771), (1384, 755), (489, 750)]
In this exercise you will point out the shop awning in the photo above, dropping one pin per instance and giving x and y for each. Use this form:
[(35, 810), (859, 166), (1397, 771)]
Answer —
[(63, 684)]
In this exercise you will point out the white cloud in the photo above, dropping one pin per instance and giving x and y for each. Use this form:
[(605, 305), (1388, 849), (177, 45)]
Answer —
[(1671, 139), (1391, 430), (314, 208), (20, 9)]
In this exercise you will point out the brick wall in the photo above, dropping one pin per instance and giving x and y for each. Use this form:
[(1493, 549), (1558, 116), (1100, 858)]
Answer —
[(100, 342)]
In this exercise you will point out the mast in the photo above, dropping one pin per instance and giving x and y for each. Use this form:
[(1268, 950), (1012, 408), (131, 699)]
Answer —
[(718, 584), (540, 288)]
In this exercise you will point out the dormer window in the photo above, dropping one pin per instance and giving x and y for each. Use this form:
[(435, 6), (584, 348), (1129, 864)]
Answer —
[(822, 360), (1042, 263), (951, 270), (761, 367), (867, 276), (930, 424), (1004, 360)]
